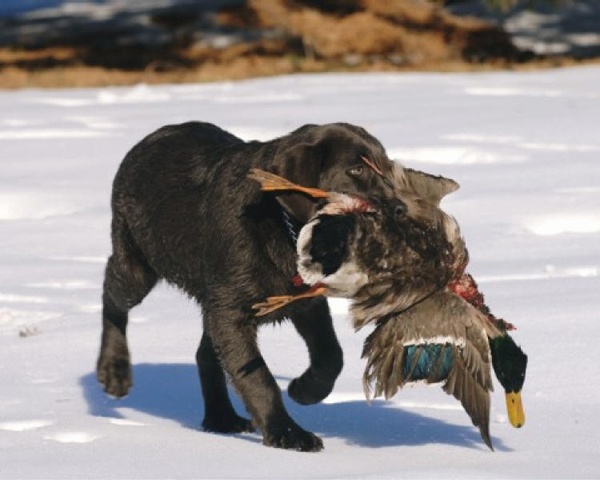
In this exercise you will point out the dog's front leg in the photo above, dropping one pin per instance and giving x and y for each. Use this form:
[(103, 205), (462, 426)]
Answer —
[(237, 349), (313, 322)]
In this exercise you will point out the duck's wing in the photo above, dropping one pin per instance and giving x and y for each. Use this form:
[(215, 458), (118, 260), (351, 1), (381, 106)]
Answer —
[(441, 338), (474, 395), (383, 298), (442, 318)]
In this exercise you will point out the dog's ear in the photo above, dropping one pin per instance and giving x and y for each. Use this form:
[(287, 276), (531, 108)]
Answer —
[(431, 187), (299, 163)]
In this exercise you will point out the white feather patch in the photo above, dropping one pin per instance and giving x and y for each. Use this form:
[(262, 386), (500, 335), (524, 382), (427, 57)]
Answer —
[(459, 342), (310, 272), (344, 282)]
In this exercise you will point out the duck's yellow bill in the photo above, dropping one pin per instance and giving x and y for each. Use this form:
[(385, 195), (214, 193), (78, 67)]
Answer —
[(514, 406)]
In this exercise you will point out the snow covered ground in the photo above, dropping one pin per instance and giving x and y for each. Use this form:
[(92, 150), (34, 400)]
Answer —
[(525, 148)]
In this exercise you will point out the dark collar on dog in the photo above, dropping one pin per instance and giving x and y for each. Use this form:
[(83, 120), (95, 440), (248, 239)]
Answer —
[(292, 226)]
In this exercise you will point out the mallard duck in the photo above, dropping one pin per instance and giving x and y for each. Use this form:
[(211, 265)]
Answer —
[(354, 249), (446, 339), (405, 272)]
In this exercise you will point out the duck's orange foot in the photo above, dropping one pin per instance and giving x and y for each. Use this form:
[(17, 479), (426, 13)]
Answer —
[(269, 182), (275, 303), (271, 304)]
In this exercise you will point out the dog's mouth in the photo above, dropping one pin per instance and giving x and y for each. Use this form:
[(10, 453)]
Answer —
[(346, 203)]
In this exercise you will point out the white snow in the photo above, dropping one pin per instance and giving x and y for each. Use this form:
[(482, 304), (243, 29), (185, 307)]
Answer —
[(525, 148)]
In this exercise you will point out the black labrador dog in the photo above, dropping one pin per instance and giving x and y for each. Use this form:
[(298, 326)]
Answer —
[(185, 211)]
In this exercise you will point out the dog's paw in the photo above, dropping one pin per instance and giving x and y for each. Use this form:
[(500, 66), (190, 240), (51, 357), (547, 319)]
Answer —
[(308, 389), (115, 375), (292, 437), (230, 424)]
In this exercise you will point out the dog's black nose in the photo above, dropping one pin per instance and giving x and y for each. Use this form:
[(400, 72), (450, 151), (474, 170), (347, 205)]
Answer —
[(399, 208)]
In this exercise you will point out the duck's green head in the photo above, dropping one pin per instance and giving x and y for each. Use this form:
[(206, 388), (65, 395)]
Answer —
[(510, 365)]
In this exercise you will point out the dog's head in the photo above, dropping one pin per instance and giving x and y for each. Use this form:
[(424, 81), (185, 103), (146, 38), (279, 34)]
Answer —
[(336, 157)]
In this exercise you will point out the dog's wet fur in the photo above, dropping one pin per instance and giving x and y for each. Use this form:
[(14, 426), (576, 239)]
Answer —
[(183, 210)]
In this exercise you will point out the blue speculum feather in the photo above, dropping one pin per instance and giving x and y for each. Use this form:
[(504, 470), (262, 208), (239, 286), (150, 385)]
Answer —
[(432, 362)]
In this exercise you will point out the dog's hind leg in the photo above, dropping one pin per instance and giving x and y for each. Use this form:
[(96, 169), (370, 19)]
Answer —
[(315, 325), (219, 414), (128, 279)]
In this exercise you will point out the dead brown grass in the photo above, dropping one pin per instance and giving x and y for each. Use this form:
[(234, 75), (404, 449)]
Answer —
[(365, 35)]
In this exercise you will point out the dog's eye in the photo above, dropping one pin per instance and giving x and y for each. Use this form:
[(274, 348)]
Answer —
[(356, 171)]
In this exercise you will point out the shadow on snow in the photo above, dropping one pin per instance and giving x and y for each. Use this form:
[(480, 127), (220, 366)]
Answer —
[(172, 391)]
